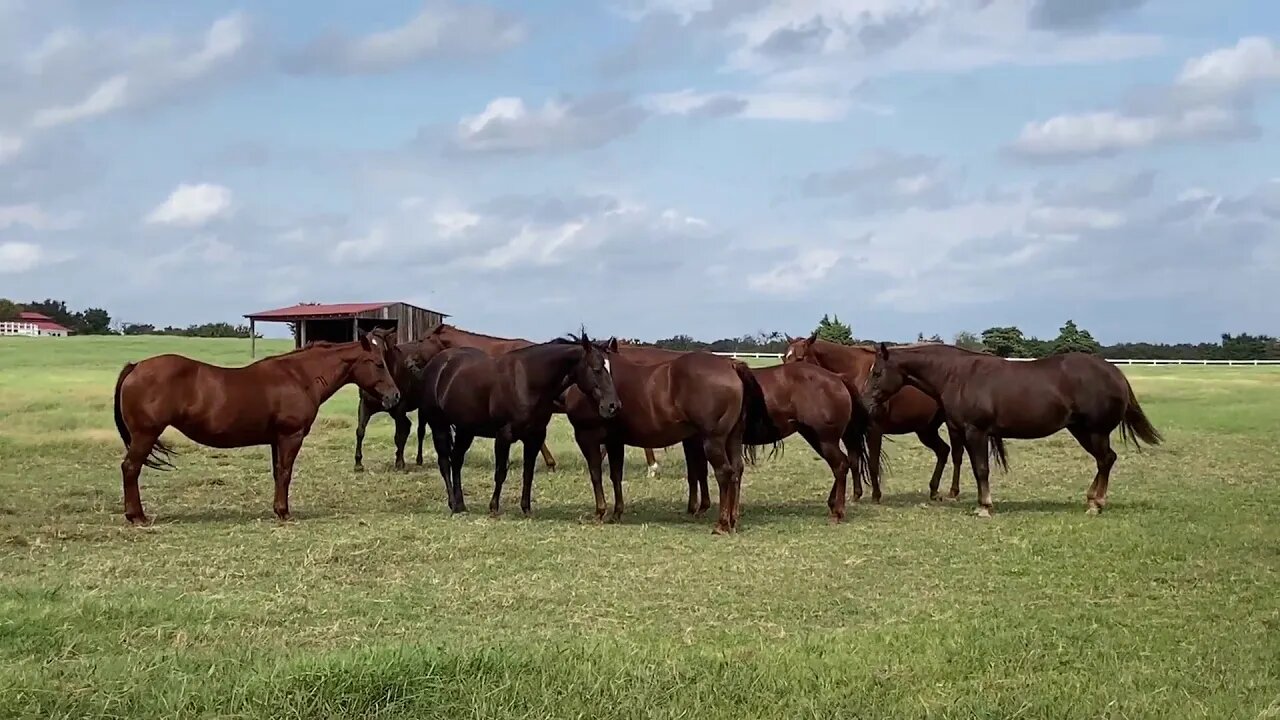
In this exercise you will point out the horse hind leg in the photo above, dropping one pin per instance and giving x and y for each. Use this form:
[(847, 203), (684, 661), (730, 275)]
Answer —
[(652, 461), (403, 426), (135, 458), (718, 456), (1099, 446)]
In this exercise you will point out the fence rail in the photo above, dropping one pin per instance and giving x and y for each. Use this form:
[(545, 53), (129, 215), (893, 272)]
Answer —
[(1116, 361)]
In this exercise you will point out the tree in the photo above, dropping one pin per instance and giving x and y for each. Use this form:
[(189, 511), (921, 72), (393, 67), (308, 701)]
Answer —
[(832, 330), (55, 310), (1005, 341), (138, 329), (1073, 339), (93, 321), (969, 341), (9, 309), (934, 338)]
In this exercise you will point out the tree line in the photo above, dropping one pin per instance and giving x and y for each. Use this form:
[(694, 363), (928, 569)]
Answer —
[(96, 321), (1010, 342), (1005, 341)]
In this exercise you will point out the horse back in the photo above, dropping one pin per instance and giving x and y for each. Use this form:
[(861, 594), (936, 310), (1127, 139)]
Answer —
[(459, 381), (805, 394)]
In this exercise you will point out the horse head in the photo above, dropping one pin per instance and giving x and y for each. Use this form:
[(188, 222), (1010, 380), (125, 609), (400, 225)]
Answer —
[(371, 372)]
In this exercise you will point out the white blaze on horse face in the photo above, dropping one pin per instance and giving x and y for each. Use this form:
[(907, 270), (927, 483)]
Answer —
[(607, 367), (790, 352)]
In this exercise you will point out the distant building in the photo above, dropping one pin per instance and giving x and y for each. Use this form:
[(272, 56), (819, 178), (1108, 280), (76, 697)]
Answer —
[(33, 324), (343, 322)]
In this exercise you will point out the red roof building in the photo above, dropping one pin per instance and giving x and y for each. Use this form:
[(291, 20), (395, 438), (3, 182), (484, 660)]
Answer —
[(33, 324), (341, 321)]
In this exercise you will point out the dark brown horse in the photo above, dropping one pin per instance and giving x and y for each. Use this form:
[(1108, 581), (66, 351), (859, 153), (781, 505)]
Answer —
[(702, 401), (271, 402), (467, 393), (410, 395), (446, 336), (804, 399), (908, 411), (988, 399)]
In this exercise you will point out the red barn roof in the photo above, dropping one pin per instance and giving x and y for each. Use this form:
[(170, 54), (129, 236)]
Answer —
[(318, 310), (40, 320)]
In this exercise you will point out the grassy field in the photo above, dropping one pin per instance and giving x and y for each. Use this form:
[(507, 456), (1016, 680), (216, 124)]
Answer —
[(375, 603)]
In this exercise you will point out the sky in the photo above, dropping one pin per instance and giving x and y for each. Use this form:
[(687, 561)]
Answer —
[(651, 167)]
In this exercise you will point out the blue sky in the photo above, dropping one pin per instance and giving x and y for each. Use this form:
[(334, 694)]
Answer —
[(649, 167)]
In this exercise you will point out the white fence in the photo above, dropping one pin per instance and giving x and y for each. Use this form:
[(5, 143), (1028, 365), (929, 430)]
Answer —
[(1124, 361)]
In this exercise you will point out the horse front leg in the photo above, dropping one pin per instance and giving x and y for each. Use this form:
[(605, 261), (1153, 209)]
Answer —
[(285, 453), (403, 426), (532, 447), (501, 464), (592, 453), (422, 436), (461, 444), (362, 421)]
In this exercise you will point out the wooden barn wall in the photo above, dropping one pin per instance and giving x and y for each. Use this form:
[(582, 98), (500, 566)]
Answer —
[(412, 323)]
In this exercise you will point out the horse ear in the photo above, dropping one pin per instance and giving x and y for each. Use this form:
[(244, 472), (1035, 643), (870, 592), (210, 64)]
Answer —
[(813, 338), (613, 345), (882, 351), (364, 341)]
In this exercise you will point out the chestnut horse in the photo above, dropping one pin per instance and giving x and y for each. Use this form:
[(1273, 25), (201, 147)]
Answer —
[(909, 411), (410, 394), (467, 393), (804, 399), (272, 402), (988, 399), (702, 401)]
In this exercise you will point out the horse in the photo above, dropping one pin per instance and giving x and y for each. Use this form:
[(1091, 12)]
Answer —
[(445, 336), (699, 400), (988, 399), (804, 399), (510, 397), (407, 381), (272, 402), (909, 411)]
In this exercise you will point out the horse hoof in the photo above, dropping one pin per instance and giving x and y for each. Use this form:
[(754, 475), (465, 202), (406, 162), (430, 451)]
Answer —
[(284, 518), (358, 468), (458, 510), (1093, 510), (616, 518), (835, 519), (721, 530), (951, 498), (653, 470), (527, 512), (138, 520), (983, 512)]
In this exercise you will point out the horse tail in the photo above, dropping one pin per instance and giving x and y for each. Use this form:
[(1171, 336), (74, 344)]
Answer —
[(998, 452), (855, 441), (758, 426), (1135, 426), (158, 458)]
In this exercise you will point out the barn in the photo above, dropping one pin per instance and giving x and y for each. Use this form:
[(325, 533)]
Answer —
[(341, 322), (33, 324)]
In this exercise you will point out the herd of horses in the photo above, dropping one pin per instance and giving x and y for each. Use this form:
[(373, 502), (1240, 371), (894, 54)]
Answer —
[(840, 399)]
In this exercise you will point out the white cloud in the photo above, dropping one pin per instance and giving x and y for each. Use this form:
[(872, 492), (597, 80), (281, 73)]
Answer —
[(1207, 101), (72, 76), (34, 217), (1069, 220), (797, 274), (10, 147), (805, 107), (1109, 133), (19, 257), (507, 125), (441, 29), (192, 205), (1251, 62), (110, 95)]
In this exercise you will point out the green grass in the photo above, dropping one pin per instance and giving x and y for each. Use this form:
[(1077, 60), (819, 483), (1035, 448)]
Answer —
[(377, 604)]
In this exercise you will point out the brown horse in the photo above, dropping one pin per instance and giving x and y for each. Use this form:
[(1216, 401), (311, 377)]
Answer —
[(510, 397), (446, 336), (702, 401), (272, 402), (988, 399), (804, 399), (909, 411), (410, 394)]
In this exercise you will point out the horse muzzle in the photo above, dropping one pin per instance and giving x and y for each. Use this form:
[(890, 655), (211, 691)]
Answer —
[(609, 409), (390, 400)]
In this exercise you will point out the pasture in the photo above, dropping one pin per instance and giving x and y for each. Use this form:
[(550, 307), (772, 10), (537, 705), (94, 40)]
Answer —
[(376, 603)]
